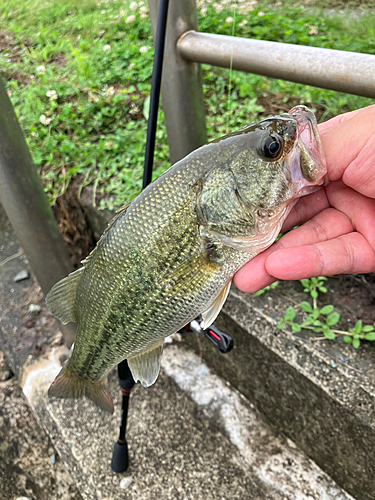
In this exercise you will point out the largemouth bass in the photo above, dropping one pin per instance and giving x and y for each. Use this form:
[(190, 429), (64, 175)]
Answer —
[(170, 255)]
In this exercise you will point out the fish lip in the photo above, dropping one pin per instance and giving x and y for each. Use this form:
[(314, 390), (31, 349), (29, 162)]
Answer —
[(308, 151)]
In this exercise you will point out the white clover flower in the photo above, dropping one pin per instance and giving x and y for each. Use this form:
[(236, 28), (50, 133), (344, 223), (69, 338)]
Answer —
[(41, 70), (102, 11), (44, 120), (313, 30), (203, 12), (260, 13), (143, 49), (229, 20), (110, 91), (131, 66), (134, 110), (133, 6), (52, 95), (143, 11), (107, 48), (130, 19)]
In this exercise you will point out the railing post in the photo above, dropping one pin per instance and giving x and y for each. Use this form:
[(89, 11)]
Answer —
[(26, 205), (182, 94)]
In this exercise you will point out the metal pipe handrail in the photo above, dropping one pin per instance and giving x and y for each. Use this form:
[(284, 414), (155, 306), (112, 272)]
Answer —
[(326, 68)]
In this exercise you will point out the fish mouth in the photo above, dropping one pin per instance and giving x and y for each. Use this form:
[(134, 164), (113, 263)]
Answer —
[(307, 160)]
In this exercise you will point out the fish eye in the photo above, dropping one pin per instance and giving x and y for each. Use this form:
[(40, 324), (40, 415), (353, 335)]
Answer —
[(271, 147)]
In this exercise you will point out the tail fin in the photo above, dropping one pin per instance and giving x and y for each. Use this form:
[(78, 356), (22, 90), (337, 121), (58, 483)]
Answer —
[(68, 385)]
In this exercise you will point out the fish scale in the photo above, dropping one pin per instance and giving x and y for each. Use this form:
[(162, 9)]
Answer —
[(170, 255)]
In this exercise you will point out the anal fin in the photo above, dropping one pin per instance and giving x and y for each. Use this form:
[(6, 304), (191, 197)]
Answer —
[(145, 367), (209, 316)]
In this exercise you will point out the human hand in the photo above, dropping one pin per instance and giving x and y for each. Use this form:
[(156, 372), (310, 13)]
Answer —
[(339, 235)]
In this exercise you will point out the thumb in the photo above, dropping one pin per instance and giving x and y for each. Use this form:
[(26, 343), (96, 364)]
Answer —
[(349, 146)]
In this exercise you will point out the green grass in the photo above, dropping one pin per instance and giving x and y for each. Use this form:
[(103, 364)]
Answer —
[(98, 60)]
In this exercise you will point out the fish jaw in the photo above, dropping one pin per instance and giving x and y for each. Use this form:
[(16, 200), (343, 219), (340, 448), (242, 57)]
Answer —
[(307, 163)]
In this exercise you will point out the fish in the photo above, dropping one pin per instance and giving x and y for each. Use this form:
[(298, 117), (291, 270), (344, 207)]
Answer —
[(169, 256)]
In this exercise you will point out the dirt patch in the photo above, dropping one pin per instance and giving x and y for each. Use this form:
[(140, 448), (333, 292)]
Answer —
[(59, 59), (7, 41), (73, 224), (274, 104), (13, 50), (356, 295)]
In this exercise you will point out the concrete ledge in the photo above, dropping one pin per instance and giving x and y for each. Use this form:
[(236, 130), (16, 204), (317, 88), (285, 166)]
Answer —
[(314, 393)]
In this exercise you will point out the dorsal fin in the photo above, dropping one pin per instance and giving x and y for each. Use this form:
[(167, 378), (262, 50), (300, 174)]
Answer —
[(111, 223), (61, 298)]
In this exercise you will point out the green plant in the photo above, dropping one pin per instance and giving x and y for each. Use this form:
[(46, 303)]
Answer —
[(270, 287), (322, 319)]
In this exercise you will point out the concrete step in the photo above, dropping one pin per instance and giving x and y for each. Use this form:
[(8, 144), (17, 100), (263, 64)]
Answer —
[(190, 436), (319, 394)]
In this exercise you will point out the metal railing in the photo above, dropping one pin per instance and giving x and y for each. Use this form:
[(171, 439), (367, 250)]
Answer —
[(186, 47), (26, 205)]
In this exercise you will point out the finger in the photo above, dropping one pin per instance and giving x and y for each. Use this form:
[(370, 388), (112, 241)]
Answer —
[(338, 119), (326, 225), (358, 208), (346, 254), (306, 208), (344, 141)]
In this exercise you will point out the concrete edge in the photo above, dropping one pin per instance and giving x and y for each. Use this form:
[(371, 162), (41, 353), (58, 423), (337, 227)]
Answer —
[(325, 407)]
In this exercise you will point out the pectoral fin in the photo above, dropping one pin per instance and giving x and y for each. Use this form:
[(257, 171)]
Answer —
[(194, 271), (145, 366), (212, 312)]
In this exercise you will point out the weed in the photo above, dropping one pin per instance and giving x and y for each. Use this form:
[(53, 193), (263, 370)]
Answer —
[(322, 319)]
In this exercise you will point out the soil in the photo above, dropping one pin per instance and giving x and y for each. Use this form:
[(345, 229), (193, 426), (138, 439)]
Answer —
[(72, 221), (14, 50), (277, 104), (356, 295)]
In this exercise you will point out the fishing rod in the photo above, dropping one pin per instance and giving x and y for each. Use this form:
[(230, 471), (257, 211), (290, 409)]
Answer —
[(222, 341), (120, 457)]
